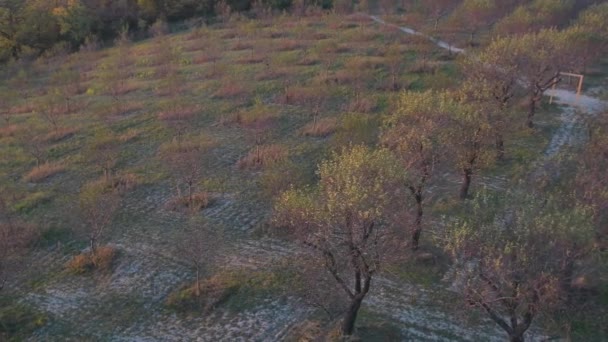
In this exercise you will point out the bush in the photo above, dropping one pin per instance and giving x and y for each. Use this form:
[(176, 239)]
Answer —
[(86, 262), (44, 171), (262, 156)]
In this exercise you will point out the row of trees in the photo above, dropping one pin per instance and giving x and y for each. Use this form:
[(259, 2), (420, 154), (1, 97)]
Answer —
[(516, 253)]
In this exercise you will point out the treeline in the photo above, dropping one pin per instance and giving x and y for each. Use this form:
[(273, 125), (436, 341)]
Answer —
[(33, 27)]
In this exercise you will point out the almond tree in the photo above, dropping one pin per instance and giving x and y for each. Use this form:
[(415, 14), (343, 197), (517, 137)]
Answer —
[(345, 220), (199, 245), (465, 137), (513, 255), (475, 15), (97, 208), (414, 132), (492, 84), (536, 58), (15, 238)]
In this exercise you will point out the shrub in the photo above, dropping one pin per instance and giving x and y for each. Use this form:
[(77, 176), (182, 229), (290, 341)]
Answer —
[(361, 105), (44, 171), (262, 156), (320, 128), (101, 260)]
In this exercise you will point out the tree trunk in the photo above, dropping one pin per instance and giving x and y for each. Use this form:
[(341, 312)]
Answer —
[(417, 223), (516, 338), (198, 283), (348, 324), (466, 183), (500, 146), (531, 112)]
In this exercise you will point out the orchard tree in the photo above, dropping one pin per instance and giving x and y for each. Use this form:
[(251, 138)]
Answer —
[(465, 137), (591, 183), (15, 238), (346, 220), (438, 9), (492, 83), (104, 153), (394, 63), (474, 15), (199, 245), (413, 132), (514, 253), (588, 36), (97, 207), (536, 58)]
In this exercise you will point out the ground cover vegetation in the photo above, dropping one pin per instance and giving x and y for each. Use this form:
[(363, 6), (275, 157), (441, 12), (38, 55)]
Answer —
[(302, 171)]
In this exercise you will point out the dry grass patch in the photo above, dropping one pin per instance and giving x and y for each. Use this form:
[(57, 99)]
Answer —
[(186, 145), (300, 95), (193, 203), (213, 291), (23, 108), (258, 115), (101, 260), (44, 171), (59, 134), (230, 90), (8, 131), (361, 105), (287, 45), (262, 156), (179, 112), (268, 74), (320, 128)]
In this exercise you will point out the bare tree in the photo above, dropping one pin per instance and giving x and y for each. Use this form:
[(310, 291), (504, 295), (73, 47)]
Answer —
[(97, 207), (345, 220), (200, 245), (15, 238)]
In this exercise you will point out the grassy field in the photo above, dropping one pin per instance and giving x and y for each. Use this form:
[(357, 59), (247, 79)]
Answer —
[(266, 101)]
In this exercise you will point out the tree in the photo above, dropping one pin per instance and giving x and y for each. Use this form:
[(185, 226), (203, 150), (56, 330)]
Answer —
[(474, 15), (10, 20), (534, 16), (104, 153), (345, 219), (591, 183), (115, 72), (414, 132), (536, 58), (438, 9), (394, 63), (199, 245), (184, 159), (15, 238), (492, 83), (588, 36), (465, 137), (513, 254), (97, 207)]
